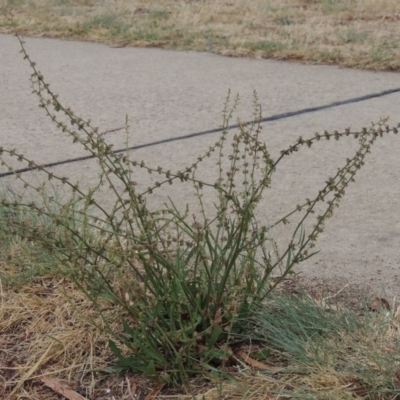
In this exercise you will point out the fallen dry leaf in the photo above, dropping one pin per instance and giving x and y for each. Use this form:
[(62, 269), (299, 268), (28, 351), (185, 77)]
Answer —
[(356, 389), (62, 389), (257, 364), (9, 370), (397, 373), (217, 318), (5, 342), (379, 301), (133, 386), (154, 392), (359, 391)]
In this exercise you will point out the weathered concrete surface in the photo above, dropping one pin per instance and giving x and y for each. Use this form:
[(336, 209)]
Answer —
[(168, 94)]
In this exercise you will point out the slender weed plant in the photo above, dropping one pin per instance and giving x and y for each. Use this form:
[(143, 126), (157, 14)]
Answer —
[(183, 283)]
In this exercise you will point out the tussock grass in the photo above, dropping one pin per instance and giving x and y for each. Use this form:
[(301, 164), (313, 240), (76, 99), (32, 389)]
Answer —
[(337, 352), (351, 33)]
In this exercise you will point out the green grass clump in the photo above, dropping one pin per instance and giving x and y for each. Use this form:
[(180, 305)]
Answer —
[(184, 282), (22, 258), (331, 352)]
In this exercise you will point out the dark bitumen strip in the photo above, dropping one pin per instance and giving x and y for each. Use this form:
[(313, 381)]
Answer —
[(215, 130)]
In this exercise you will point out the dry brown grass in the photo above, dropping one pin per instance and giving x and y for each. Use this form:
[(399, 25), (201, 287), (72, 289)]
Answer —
[(351, 33), (44, 332)]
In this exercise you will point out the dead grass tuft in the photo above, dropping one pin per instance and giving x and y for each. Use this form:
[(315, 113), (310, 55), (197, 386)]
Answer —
[(45, 335), (44, 332)]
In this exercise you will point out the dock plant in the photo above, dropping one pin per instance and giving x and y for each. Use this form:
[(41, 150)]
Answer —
[(183, 281)]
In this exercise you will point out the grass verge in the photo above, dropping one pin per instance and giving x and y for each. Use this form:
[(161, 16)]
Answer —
[(351, 33)]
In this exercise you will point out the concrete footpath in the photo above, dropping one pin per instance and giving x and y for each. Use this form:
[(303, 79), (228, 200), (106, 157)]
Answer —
[(171, 94)]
